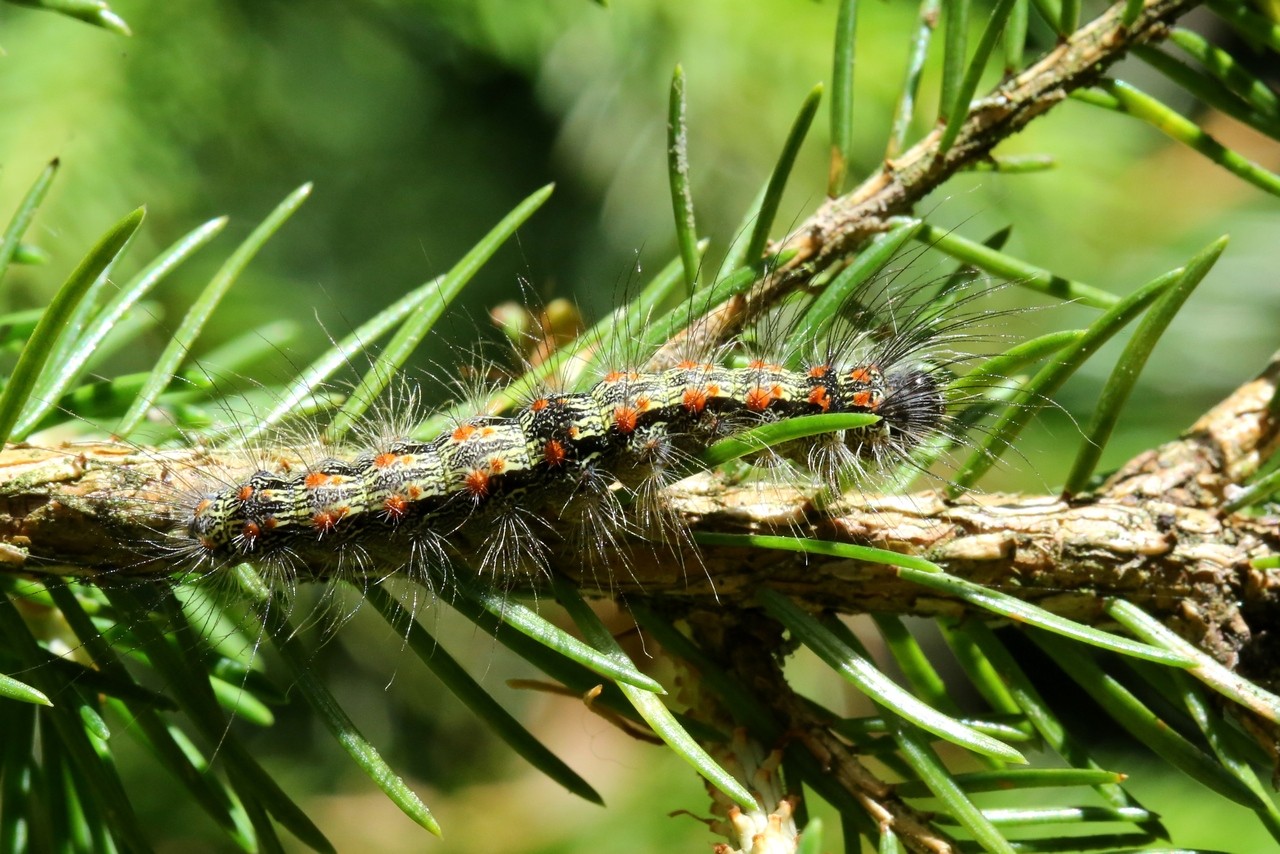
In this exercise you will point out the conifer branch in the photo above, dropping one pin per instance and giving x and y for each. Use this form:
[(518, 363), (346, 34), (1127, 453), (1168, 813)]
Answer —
[(841, 224), (1154, 534)]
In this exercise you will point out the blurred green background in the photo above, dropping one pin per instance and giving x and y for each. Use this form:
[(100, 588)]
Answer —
[(421, 124)]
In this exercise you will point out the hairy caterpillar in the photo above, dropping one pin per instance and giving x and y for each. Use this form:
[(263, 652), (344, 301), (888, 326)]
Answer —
[(623, 431), (578, 464)]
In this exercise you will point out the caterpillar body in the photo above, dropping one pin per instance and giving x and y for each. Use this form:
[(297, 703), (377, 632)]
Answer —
[(557, 452), (588, 465)]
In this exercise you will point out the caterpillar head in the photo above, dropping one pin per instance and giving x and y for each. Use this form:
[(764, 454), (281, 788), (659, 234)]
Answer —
[(914, 407)]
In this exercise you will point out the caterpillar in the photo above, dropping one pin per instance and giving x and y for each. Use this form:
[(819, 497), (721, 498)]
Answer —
[(588, 465), (556, 448)]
